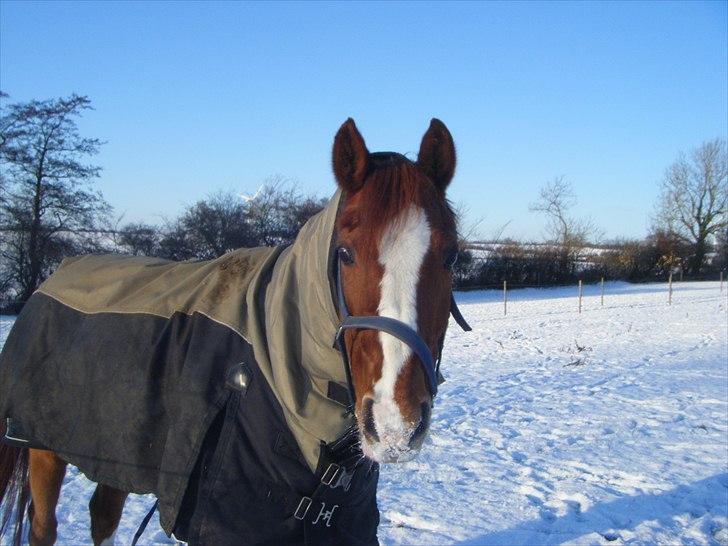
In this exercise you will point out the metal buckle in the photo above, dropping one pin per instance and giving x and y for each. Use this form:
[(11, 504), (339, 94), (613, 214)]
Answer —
[(303, 507), (330, 474), (344, 479)]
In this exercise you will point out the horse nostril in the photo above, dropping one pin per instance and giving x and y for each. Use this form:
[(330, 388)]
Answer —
[(421, 429), (367, 414)]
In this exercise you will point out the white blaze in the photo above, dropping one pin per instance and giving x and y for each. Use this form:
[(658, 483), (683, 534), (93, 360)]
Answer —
[(401, 253)]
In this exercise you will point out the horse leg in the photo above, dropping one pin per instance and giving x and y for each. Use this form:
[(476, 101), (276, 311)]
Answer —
[(106, 506), (45, 475)]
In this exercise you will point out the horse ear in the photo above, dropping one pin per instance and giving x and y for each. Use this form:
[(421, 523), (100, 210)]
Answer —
[(350, 157), (437, 154)]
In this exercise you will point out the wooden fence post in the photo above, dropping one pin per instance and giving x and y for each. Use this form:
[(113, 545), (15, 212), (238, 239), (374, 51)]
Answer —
[(505, 298), (579, 296), (669, 292), (602, 291)]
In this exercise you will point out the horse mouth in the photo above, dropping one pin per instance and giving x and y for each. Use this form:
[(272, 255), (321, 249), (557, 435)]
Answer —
[(388, 454), (391, 441), (393, 450)]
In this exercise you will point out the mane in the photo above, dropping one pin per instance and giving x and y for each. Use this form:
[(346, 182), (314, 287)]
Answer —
[(393, 184)]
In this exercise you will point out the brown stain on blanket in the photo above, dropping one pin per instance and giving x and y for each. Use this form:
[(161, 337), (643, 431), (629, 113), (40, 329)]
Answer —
[(233, 269)]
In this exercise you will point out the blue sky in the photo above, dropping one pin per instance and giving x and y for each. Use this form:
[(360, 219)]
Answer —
[(198, 97)]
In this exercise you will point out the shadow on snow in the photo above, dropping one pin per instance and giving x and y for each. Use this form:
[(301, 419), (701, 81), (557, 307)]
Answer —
[(612, 519)]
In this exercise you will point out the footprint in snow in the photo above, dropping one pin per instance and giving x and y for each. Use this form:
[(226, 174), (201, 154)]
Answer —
[(518, 457), (547, 514), (412, 522), (574, 508), (720, 534), (610, 536)]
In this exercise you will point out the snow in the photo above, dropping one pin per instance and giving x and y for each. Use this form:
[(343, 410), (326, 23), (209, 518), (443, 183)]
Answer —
[(554, 427)]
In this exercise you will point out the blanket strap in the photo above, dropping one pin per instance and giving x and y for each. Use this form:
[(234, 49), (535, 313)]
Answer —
[(144, 523), (15, 436)]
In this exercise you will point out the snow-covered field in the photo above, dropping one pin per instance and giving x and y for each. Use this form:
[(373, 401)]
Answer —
[(605, 427)]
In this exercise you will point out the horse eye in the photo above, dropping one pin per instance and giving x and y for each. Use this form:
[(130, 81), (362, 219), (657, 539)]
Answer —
[(451, 256), (345, 255)]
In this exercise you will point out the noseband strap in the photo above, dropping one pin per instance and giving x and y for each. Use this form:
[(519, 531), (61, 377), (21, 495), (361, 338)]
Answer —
[(396, 328)]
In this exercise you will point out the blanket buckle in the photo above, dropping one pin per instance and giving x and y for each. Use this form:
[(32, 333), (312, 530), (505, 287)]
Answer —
[(302, 508), (331, 472)]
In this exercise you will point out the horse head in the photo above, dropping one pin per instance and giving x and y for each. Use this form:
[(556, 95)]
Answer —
[(396, 241)]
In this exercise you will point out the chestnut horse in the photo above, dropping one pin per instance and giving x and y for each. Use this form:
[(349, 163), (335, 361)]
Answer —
[(395, 244)]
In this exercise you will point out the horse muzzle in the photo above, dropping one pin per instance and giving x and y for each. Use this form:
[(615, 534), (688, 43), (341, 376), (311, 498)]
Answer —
[(386, 437)]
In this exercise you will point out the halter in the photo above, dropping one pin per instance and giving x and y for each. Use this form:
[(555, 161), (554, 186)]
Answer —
[(396, 328)]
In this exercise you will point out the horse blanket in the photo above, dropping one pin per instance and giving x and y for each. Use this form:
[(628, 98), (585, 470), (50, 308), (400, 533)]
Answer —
[(211, 384)]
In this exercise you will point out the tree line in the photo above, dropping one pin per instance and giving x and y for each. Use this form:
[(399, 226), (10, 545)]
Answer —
[(636, 260), (688, 234), (49, 209)]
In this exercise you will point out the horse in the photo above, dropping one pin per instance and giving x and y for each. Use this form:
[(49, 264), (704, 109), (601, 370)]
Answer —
[(254, 395)]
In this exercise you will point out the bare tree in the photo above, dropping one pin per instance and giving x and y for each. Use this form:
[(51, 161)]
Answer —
[(48, 210), (473, 230), (463, 269), (693, 199), (226, 221), (138, 239), (208, 229), (570, 234), (278, 211)]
